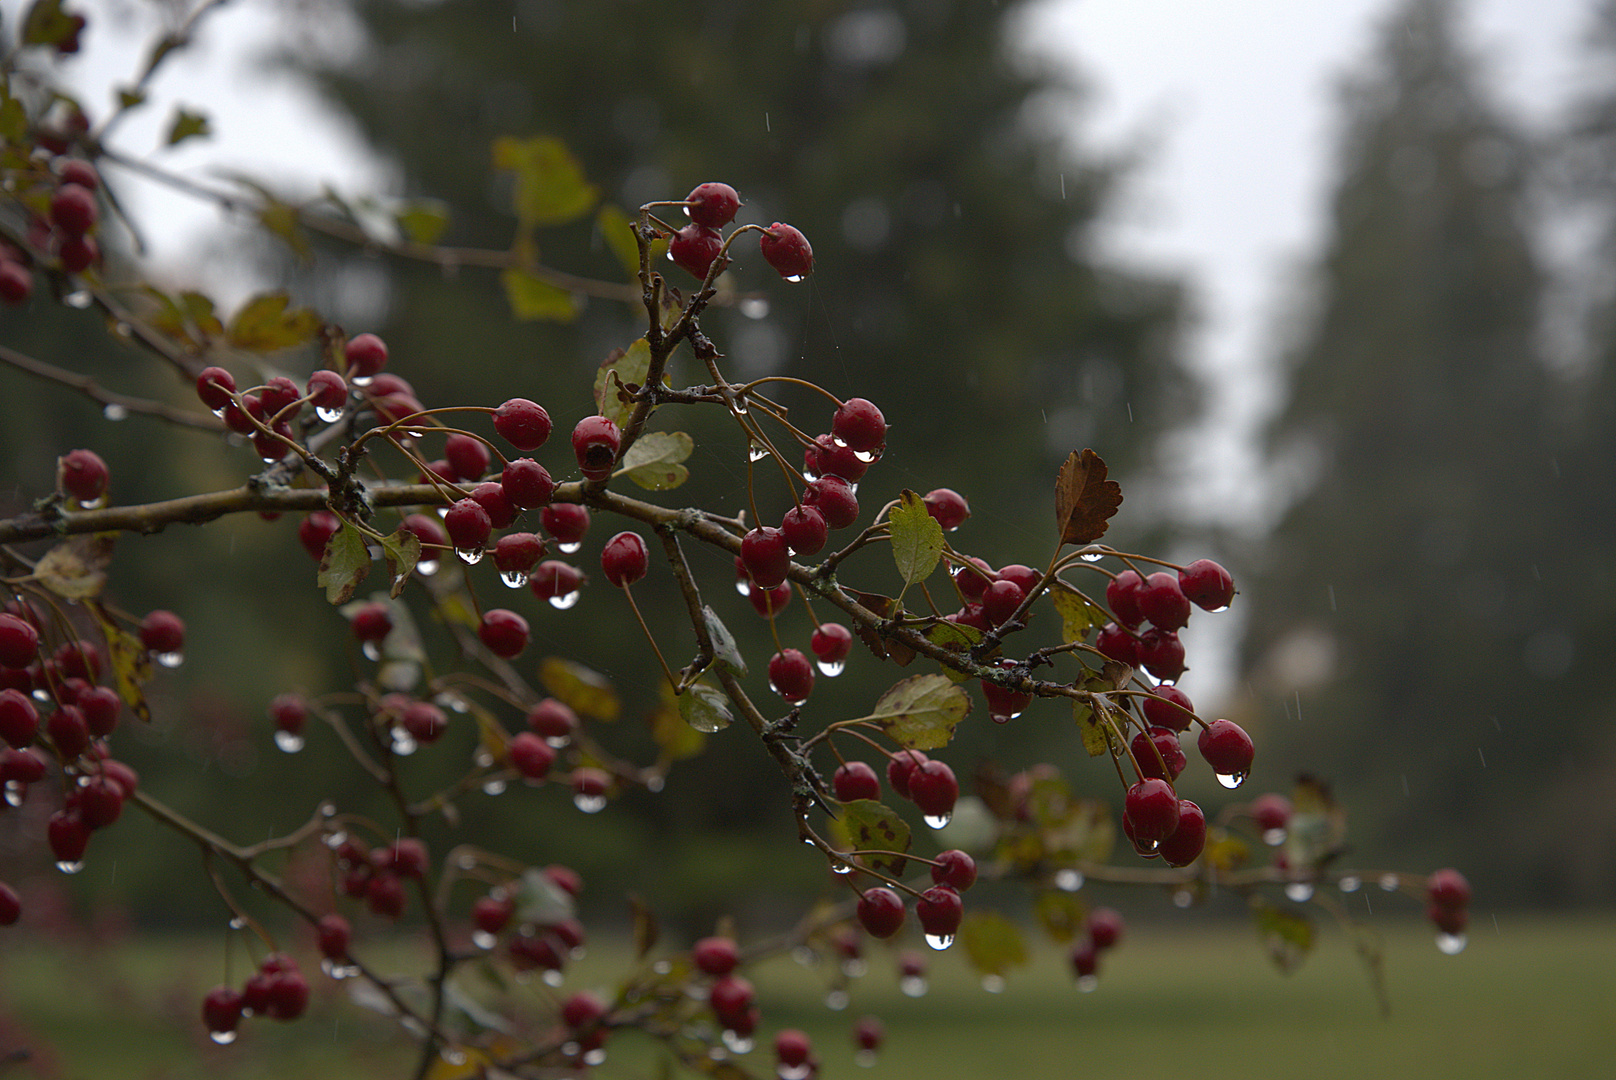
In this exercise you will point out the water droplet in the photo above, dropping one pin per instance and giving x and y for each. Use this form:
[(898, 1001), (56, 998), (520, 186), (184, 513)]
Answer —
[(839, 867), (1389, 882), (854, 967), (570, 548), (738, 1044), (939, 821), (404, 743), (362, 380), (836, 1000), (482, 758), (1215, 610), (743, 586), (754, 307), (993, 984), (939, 941), (238, 923), (78, 299), (1349, 884), (467, 863), (831, 668), (70, 867), (289, 742), (1068, 880), (14, 793), (470, 556), (1092, 556), (337, 970), (654, 784), (453, 1057), (169, 659), (1451, 944), (869, 457), (336, 839), (558, 741), (865, 1058), (455, 703), (589, 804), (756, 452), (562, 603), (223, 1038), (913, 985), (330, 416), (493, 787), (513, 579), (115, 412), (794, 1072), (1147, 848), (1231, 780), (796, 277), (553, 978), (1088, 983), (426, 567), (1299, 891), (1273, 837), (1183, 898), (371, 649), (740, 405)]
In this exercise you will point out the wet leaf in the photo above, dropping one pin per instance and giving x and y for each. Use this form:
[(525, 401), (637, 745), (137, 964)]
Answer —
[(47, 24), (187, 125), (653, 461), (705, 708), (675, 737), (264, 324), (883, 646), (617, 229), (921, 712), (867, 825), (423, 221), (1084, 499), (1286, 935), (917, 538), (1078, 614), (955, 637), (402, 550), (76, 568), (13, 117), (533, 299), (130, 662), (992, 942), (344, 565), (1096, 736), (585, 691), (1061, 914), (724, 647), (550, 185), (631, 365)]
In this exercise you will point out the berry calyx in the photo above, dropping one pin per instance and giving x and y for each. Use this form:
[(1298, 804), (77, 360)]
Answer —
[(522, 423), (791, 675), (504, 632), (82, 474), (1228, 749), (595, 440), (716, 956), (767, 559), (880, 912), (712, 204), (859, 426), (948, 507), (1207, 585), (787, 250), (1152, 809), (855, 780)]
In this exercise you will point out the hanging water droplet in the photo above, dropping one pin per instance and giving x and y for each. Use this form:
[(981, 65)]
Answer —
[(865, 1058), (756, 451), (589, 804), (836, 1000), (553, 978), (289, 742), (796, 277), (513, 579), (913, 985), (454, 1057), (1092, 555), (839, 867), (336, 839), (169, 659), (1389, 882), (1147, 848), (470, 556), (1183, 898), (483, 939), (493, 787), (754, 307), (466, 863), (939, 941), (371, 650), (223, 1038), (1349, 884), (556, 742), (426, 567), (1273, 837), (993, 984), (870, 457), (237, 923), (805, 956), (831, 668), (738, 1044), (939, 821), (1088, 983), (404, 743), (1068, 880), (1451, 944), (483, 759), (14, 795), (794, 1072), (78, 298), (743, 586), (1299, 892), (854, 967), (654, 784), (362, 380), (740, 405), (330, 416), (1231, 780), (114, 412), (562, 603), (398, 582), (570, 548)]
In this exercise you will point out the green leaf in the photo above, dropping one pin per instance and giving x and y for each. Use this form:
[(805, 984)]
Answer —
[(128, 99), (1061, 914), (13, 117), (618, 231), (264, 324), (550, 184), (917, 538), (724, 647), (1078, 614), (581, 689), (1287, 936), (867, 825), (130, 662), (1096, 736), (536, 300), (992, 942), (921, 712), (956, 637), (402, 551), (705, 708), (673, 733), (632, 365), (653, 461), (47, 24), (423, 221), (344, 565), (187, 125)]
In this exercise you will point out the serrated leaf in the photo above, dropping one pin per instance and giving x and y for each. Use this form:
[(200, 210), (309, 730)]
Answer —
[(1084, 499), (200, 310), (992, 942), (1078, 614), (550, 185), (653, 461), (1096, 737), (631, 365), (422, 221), (187, 125), (917, 538), (921, 712), (76, 568), (130, 662), (1286, 935), (266, 323), (617, 229), (705, 708), (534, 300), (402, 550), (582, 689), (1061, 914), (724, 647), (344, 565), (867, 825)]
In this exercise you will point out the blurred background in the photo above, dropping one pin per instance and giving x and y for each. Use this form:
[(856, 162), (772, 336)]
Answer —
[(1330, 291)]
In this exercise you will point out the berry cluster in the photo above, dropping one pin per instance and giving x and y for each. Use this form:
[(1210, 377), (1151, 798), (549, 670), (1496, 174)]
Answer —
[(277, 990)]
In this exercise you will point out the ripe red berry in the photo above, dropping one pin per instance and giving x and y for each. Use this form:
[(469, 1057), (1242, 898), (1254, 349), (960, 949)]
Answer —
[(1161, 653), (731, 998), (530, 755), (1448, 920), (934, 789), (712, 204), (1448, 889), (624, 559), (948, 507), (468, 525), (1207, 585), (768, 602), (787, 250), (595, 440), (794, 1051), (1105, 927), (288, 995), (518, 553), (859, 425), (555, 581), (582, 1010), (565, 522), (281, 399), (805, 530), (315, 531), (766, 556), (1152, 808), (522, 423), (78, 253), (1024, 576), (504, 632), (694, 248), (527, 483), (1169, 707), (491, 913), (1000, 600), (939, 910), (972, 577), (68, 730), (328, 391), (366, 355), (1166, 745), (855, 780), (1228, 749), (425, 722), (221, 1011), (901, 766), (1184, 846), (405, 857), (25, 766), (833, 497), (99, 800), (827, 457), (467, 456), (1271, 813), (82, 474), (334, 935), (830, 643), (1122, 593), (716, 956), (290, 713), (80, 172), (1004, 703), (372, 622), (73, 209), (162, 632), (1163, 602), (552, 719), (19, 642), (491, 496), (868, 1034), (955, 869), (68, 836), (19, 720), (880, 912), (791, 675), (16, 282)]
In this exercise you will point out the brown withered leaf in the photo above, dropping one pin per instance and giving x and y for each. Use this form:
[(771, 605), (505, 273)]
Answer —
[(884, 647), (1084, 499)]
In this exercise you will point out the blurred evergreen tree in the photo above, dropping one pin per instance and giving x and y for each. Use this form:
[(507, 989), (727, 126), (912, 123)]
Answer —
[(1401, 631)]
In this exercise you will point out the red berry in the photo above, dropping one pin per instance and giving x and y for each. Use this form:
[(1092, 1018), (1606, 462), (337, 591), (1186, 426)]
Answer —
[(794, 1050), (221, 1010), (68, 836), (1123, 595), (934, 789), (1163, 602), (366, 355), (1270, 813), (425, 722), (491, 914), (859, 425), (880, 912), (791, 675), (518, 553), (78, 253), (833, 497), (73, 209), (787, 250), (334, 935), (19, 642), (405, 857), (694, 248), (99, 801), (1166, 745), (327, 390), (82, 474), (504, 632), (595, 440), (868, 1034), (716, 956), (855, 780), (831, 642), (68, 730), (290, 713), (239, 418), (279, 395), (939, 910), (766, 557), (80, 172), (566, 522), (162, 632), (712, 204), (1448, 920), (731, 997), (555, 581), (1169, 707), (624, 559), (1152, 808), (768, 602), (468, 525), (1448, 889), (955, 869), (1207, 585), (527, 483), (805, 530), (1000, 600), (582, 1010), (1105, 927), (901, 766), (972, 577), (522, 423), (498, 505), (827, 457), (467, 456), (1161, 653), (288, 995), (315, 531), (25, 766), (16, 282), (214, 387), (429, 532), (1004, 703), (530, 755), (79, 658), (1184, 846), (948, 507), (372, 622), (1228, 749), (552, 719), (19, 720), (10, 905)]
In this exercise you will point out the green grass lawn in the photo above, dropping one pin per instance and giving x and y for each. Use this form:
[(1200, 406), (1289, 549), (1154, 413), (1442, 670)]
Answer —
[(1530, 997)]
